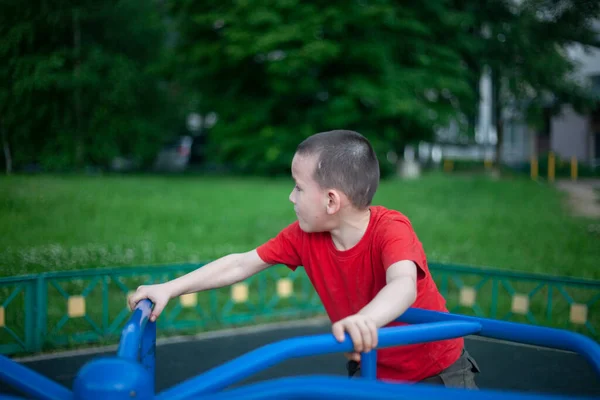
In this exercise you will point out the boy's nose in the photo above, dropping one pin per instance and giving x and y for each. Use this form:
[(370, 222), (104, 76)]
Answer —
[(292, 197)]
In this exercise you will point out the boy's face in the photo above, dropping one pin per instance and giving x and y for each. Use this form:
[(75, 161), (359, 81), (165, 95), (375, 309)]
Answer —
[(309, 199)]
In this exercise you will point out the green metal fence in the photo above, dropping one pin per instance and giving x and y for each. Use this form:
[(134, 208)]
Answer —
[(62, 309)]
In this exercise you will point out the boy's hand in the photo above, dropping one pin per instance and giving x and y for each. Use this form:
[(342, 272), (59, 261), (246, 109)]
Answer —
[(158, 294), (362, 330)]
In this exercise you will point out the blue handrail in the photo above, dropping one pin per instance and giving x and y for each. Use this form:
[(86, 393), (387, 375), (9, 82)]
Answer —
[(132, 372), (132, 333), (264, 357), (138, 342), (267, 356), (515, 332), (138, 338), (30, 382), (336, 387)]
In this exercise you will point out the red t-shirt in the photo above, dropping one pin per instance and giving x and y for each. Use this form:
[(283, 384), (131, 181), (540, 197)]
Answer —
[(348, 280)]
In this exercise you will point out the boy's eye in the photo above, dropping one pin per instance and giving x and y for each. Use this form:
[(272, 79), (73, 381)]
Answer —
[(297, 188)]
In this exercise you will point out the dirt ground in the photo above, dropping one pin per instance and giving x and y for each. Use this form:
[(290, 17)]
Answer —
[(584, 196)]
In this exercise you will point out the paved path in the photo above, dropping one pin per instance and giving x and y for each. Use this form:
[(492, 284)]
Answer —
[(504, 365), (583, 199)]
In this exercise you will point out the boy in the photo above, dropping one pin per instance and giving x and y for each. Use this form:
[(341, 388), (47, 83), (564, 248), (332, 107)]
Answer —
[(365, 262)]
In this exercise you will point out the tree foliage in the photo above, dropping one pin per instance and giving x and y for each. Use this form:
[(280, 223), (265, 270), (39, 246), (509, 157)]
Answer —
[(526, 46), (80, 84), (276, 71), (87, 81)]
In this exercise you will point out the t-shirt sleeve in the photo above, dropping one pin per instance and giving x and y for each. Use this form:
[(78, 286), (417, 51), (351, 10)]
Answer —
[(283, 248), (399, 242)]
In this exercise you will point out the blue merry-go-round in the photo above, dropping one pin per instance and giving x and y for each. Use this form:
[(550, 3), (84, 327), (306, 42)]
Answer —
[(130, 373)]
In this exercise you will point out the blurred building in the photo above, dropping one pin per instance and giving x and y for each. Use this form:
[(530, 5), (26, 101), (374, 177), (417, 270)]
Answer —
[(574, 135), (567, 134)]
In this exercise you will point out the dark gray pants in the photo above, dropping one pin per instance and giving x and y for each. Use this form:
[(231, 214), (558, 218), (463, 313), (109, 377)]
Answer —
[(461, 374)]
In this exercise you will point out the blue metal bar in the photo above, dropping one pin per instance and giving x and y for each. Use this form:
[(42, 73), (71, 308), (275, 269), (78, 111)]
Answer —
[(264, 357), (131, 372), (112, 378), (368, 365), (30, 382), (515, 332), (330, 387), (148, 350), (131, 335)]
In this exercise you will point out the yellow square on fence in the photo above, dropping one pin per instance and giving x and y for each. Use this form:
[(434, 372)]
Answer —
[(578, 314), (189, 300), (2, 318), (520, 304), (467, 296), (239, 292), (76, 306), (285, 287)]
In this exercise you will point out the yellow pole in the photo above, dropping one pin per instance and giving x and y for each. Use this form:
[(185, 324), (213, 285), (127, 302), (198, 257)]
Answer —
[(574, 168), (487, 163), (534, 168), (448, 164), (551, 164)]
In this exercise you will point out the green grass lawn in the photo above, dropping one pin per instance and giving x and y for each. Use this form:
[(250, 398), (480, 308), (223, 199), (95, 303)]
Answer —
[(51, 223)]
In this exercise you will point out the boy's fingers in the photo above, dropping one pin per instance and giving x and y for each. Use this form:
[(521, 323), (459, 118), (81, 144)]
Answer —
[(132, 302), (367, 338), (338, 332), (356, 336), (158, 308), (135, 298), (374, 333)]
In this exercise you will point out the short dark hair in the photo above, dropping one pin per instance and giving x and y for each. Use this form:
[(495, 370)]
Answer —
[(345, 161)]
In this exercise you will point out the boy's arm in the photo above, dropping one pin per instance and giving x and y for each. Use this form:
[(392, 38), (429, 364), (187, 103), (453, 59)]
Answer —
[(224, 271), (393, 300), (399, 293)]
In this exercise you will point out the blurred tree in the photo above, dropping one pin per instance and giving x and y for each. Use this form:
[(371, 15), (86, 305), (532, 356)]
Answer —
[(81, 81), (276, 71), (526, 46)]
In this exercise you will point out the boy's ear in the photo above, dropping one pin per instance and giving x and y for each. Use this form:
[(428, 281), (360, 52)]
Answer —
[(334, 201)]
